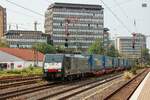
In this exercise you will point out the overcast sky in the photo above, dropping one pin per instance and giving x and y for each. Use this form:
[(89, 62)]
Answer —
[(126, 10)]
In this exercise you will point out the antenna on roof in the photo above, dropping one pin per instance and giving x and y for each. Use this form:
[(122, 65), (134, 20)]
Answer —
[(35, 25), (16, 26), (9, 26)]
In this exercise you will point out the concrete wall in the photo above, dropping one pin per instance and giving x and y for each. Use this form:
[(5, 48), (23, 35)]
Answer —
[(28, 63), (18, 65)]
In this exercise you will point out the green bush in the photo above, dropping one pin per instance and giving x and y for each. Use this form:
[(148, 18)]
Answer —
[(127, 75), (24, 72), (133, 70)]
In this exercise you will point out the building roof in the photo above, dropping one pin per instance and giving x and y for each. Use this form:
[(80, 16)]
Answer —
[(24, 32), (5, 57), (124, 37), (76, 6), (25, 54)]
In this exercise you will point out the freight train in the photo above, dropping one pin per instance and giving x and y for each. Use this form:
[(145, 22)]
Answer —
[(70, 66)]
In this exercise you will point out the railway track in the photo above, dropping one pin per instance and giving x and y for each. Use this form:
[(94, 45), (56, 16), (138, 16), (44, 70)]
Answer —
[(21, 78), (15, 82), (24, 90), (20, 83), (56, 90), (52, 89), (68, 93), (125, 91)]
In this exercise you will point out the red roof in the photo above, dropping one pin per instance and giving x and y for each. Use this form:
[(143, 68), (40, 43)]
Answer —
[(25, 54)]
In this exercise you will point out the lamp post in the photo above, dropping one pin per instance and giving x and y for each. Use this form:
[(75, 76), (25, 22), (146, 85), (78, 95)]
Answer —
[(105, 31), (36, 51)]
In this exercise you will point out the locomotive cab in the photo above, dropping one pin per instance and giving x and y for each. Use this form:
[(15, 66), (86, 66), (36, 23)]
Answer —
[(53, 66)]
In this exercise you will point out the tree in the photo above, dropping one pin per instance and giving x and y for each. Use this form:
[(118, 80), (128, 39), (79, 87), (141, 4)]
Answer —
[(111, 51), (60, 49), (96, 47), (145, 55), (44, 48), (3, 43)]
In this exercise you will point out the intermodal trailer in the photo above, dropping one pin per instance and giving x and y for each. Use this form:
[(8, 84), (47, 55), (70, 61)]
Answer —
[(97, 63), (115, 62), (76, 65)]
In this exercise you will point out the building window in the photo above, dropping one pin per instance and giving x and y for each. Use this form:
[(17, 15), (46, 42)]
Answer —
[(93, 14), (60, 23), (88, 25), (97, 25)]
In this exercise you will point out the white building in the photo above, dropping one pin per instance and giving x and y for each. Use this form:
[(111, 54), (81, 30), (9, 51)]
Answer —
[(24, 38), (14, 58), (131, 47)]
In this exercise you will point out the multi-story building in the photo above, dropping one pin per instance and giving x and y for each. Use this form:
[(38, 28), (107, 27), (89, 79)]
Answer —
[(78, 25), (131, 46), (25, 39), (3, 25)]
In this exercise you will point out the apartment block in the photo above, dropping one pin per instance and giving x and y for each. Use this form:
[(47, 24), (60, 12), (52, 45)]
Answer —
[(131, 47)]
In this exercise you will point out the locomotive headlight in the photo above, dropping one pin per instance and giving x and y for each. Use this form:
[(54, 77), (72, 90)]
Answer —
[(59, 70), (46, 70)]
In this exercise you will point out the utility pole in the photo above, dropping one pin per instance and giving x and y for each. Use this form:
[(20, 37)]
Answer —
[(133, 44), (35, 50), (35, 25), (9, 26), (69, 20), (16, 26)]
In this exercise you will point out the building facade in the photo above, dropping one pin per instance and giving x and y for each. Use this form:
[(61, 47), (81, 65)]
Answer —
[(78, 25), (18, 58), (3, 25), (131, 47), (25, 39)]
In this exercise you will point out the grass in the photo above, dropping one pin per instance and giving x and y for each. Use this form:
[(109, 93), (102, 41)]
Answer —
[(24, 72), (133, 71), (127, 75)]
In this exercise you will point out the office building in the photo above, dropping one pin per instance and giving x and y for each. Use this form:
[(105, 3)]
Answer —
[(25, 39), (131, 47), (78, 25), (3, 22)]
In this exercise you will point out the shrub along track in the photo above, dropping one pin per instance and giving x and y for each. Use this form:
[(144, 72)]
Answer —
[(125, 91)]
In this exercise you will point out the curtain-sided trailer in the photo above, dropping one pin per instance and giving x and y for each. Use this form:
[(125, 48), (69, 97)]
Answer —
[(77, 65)]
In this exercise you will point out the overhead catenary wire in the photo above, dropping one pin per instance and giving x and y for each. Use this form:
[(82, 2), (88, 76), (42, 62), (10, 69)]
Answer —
[(122, 10), (21, 25), (125, 2), (124, 13), (30, 10), (119, 20), (17, 12)]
